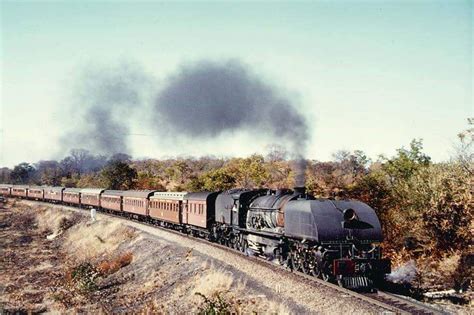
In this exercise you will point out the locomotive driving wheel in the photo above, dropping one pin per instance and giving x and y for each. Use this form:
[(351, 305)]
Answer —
[(326, 271), (296, 260), (314, 268), (234, 242), (239, 243), (305, 263), (244, 247)]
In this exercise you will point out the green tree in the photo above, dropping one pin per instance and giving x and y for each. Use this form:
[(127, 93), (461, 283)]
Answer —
[(219, 179), (22, 173), (118, 175), (250, 172), (406, 162)]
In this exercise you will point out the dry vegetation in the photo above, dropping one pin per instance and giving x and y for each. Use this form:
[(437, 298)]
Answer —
[(57, 260)]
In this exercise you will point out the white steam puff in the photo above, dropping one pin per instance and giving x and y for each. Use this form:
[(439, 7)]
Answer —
[(403, 274)]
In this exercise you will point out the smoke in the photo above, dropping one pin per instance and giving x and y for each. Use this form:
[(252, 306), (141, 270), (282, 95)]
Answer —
[(103, 101), (209, 99), (403, 274), (200, 102)]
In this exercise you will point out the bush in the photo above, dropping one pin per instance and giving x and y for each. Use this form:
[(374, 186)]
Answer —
[(214, 305), (84, 277)]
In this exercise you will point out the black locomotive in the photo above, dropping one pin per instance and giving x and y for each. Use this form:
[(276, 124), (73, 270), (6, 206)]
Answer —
[(334, 240)]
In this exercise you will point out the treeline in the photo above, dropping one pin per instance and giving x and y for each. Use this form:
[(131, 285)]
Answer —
[(426, 208)]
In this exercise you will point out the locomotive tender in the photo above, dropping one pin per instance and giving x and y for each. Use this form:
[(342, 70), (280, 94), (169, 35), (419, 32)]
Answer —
[(336, 240)]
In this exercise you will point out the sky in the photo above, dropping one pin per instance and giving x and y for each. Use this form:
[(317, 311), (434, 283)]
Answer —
[(367, 75)]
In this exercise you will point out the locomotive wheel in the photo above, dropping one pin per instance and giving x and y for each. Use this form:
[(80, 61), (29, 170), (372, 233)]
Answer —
[(325, 276), (238, 244), (314, 269), (305, 263), (233, 242), (305, 268), (296, 264), (244, 247)]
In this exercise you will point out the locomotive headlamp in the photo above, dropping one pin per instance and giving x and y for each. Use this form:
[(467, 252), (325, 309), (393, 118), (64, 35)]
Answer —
[(349, 215)]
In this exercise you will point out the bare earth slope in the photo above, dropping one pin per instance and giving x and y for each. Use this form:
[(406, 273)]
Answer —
[(54, 259)]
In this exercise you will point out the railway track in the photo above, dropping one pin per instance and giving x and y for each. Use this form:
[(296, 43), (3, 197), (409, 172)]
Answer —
[(392, 303)]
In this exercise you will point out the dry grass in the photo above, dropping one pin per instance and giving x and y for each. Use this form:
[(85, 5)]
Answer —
[(213, 282), (218, 291), (277, 308), (52, 220), (88, 240)]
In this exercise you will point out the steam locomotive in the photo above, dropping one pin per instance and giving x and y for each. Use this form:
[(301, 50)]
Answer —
[(336, 240)]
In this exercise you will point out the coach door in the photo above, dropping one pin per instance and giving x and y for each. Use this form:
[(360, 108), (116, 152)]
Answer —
[(185, 212)]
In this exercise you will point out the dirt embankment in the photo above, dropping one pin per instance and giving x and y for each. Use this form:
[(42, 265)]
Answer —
[(55, 260)]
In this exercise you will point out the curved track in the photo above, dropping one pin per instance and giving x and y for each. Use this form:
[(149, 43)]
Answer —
[(392, 303)]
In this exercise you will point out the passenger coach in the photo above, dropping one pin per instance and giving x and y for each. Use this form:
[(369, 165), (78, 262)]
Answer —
[(167, 207), (36, 193), (5, 190), (112, 200), (90, 197), (136, 201), (72, 196), (20, 191)]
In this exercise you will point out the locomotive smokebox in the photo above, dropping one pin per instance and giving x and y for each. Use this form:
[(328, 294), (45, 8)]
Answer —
[(300, 189)]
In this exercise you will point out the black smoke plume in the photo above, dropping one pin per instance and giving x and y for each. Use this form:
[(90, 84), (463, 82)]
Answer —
[(209, 99), (104, 99)]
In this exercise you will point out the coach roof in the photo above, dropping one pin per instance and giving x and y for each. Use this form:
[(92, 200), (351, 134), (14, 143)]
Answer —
[(113, 193), (138, 193), (169, 195), (92, 191), (73, 190), (56, 188)]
